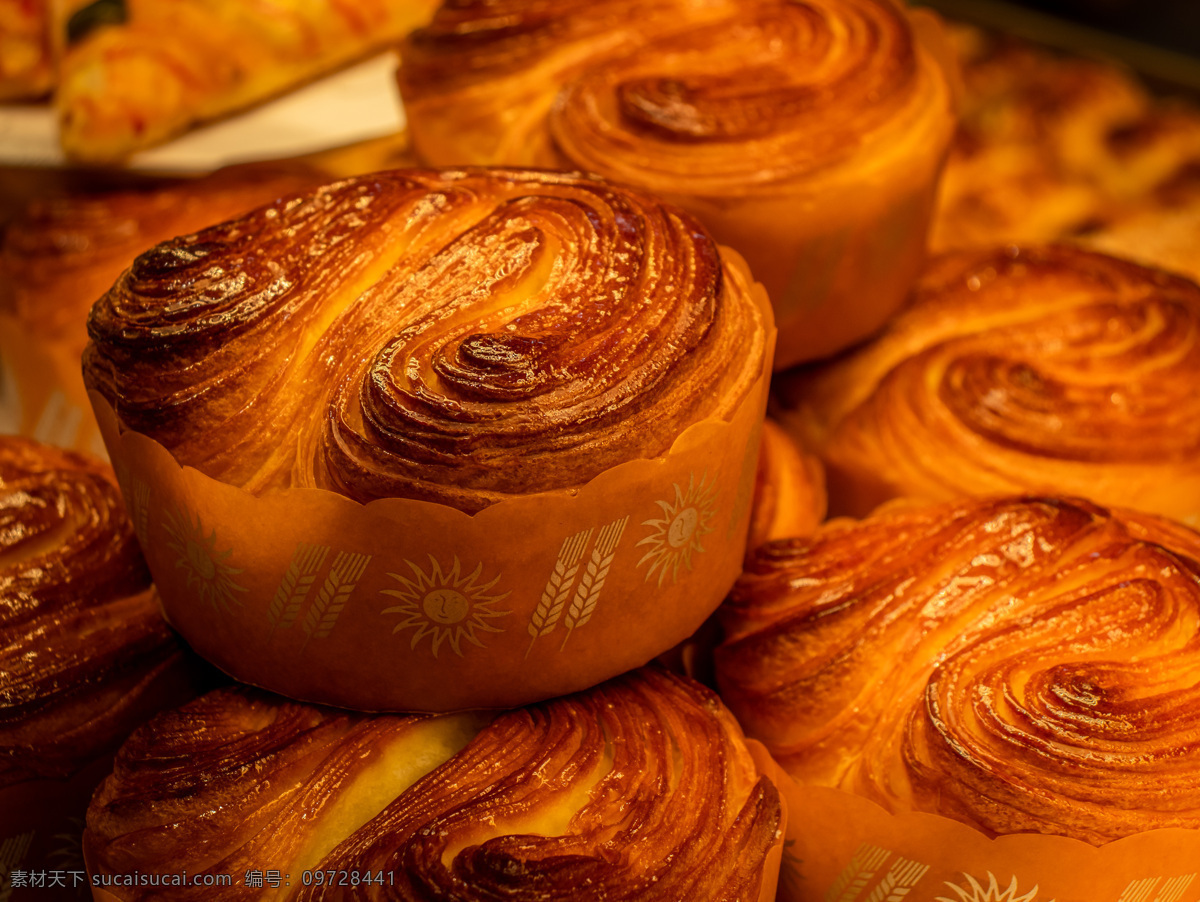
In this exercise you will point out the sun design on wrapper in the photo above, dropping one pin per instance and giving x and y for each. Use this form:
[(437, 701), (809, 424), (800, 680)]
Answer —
[(977, 892), (446, 606), (675, 537), (203, 564)]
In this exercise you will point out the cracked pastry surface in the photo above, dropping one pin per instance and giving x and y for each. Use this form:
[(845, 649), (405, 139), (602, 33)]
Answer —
[(640, 788), (457, 337), (1021, 664)]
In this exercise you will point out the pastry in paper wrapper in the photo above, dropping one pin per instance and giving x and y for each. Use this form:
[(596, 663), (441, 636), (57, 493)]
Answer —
[(807, 135), (447, 439), (63, 253), (1044, 368), (640, 788), (1000, 689), (85, 656)]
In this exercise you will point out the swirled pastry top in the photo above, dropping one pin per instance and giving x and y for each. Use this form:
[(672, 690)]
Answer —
[(704, 99), (1043, 368), (641, 788), (82, 642), (455, 337), (1022, 664)]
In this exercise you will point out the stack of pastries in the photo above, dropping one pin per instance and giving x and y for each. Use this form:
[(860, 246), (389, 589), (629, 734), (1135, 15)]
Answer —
[(355, 425)]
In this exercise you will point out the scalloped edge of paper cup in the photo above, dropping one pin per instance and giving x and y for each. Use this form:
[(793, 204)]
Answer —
[(837, 841)]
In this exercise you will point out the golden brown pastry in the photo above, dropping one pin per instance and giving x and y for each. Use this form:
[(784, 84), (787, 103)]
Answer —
[(1045, 368), (789, 489), (1021, 664), (1052, 147), (178, 63), (641, 788), (806, 135), (85, 654), (26, 56), (63, 253), (458, 337)]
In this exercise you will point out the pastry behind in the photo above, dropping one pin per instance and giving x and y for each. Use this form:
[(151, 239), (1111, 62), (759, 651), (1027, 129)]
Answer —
[(1039, 368)]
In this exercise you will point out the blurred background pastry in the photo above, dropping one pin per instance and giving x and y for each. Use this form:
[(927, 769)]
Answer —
[(642, 788), (1019, 664), (85, 655), (808, 136), (169, 65), (1046, 368), (63, 253)]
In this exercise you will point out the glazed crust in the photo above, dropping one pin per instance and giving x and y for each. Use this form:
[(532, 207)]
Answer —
[(84, 651), (1044, 368), (1020, 664), (456, 337), (640, 788)]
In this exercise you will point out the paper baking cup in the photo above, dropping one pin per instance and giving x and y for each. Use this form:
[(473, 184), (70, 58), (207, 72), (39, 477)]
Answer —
[(405, 605), (42, 395), (842, 847)]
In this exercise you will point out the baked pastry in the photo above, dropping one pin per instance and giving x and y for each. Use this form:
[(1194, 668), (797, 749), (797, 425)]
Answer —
[(26, 57), (640, 788), (1052, 147), (789, 491), (85, 655), (457, 337), (174, 64), (807, 135), (403, 438), (1046, 368), (1020, 664), (63, 253)]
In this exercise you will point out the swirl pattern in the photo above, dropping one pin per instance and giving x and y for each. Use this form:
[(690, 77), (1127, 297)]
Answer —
[(785, 91), (1039, 368), (640, 788), (457, 337), (82, 643), (1020, 664)]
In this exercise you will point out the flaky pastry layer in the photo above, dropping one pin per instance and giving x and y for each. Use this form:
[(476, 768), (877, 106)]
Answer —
[(84, 652), (1021, 664), (1043, 368), (641, 788)]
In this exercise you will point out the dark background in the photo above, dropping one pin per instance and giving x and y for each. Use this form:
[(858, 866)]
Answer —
[(1173, 24)]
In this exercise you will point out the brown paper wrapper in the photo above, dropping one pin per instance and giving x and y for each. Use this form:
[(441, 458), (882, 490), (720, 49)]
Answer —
[(406, 605), (42, 395), (842, 847), (41, 828)]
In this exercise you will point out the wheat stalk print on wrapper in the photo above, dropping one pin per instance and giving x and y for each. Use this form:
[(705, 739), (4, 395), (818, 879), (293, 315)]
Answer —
[(518, 399)]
